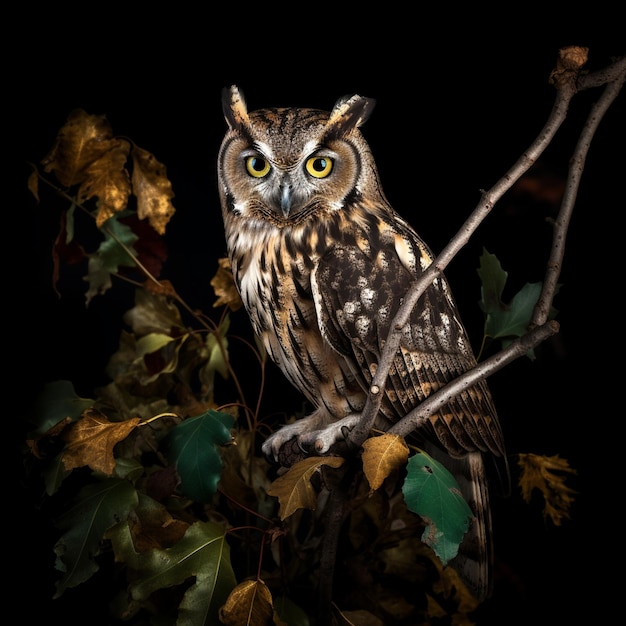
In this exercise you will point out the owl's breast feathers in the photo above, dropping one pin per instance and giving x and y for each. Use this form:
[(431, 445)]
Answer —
[(323, 296)]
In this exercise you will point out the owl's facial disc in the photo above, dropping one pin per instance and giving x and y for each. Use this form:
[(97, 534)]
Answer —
[(290, 190)]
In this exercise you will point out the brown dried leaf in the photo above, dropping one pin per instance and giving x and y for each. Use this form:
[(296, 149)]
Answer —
[(568, 65), (250, 603), (82, 140), (381, 456), (294, 489), (152, 527), (55, 431), (107, 179), (223, 284), (162, 288), (33, 183), (541, 472), (153, 189), (449, 590), (572, 57), (90, 441)]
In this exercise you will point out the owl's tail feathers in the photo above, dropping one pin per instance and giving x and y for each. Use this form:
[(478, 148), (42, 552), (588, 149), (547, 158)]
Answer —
[(474, 561)]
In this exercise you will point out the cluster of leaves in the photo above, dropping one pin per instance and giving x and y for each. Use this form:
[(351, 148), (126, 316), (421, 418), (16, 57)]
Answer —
[(172, 486)]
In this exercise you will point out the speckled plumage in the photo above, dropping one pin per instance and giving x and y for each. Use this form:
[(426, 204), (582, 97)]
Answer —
[(322, 262)]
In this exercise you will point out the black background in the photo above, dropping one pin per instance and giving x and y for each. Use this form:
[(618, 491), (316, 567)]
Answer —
[(459, 98)]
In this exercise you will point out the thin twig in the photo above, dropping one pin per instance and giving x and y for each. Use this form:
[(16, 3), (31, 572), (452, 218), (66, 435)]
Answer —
[(577, 164)]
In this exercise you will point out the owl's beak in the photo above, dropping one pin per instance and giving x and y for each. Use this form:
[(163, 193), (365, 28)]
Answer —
[(286, 196)]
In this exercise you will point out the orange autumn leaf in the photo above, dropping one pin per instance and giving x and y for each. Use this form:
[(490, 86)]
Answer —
[(91, 441)]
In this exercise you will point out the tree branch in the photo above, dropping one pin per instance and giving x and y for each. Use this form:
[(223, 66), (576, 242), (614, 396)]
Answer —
[(434, 402), (616, 74), (566, 78)]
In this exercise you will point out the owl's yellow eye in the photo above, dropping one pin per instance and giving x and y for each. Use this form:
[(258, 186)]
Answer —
[(319, 167), (257, 166)]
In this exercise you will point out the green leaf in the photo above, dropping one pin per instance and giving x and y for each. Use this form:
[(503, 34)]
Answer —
[(218, 359), (160, 354), (54, 474), (153, 313), (216, 346), (152, 342), (506, 321), (57, 401), (97, 508), (194, 450), (433, 493), (202, 553), (109, 256), (514, 321), (290, 613), (493, 279)]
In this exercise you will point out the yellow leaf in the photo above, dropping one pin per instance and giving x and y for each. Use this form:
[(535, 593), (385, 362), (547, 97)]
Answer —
[(153, 190), (381, 456), (541, 472), (249, 604), (90, 441), (223, 284), (294, 489), (152, 342)]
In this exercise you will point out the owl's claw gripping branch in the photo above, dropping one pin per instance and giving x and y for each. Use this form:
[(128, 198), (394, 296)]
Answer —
[(309, 441)]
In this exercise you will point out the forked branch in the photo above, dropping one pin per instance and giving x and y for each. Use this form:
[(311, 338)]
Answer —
[(568, 80)]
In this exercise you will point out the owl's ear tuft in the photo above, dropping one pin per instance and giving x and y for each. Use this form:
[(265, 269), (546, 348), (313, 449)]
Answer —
[(349, 112), (234, 107)]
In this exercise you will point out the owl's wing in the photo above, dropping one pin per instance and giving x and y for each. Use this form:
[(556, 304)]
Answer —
[(357, 296), (357, 292)]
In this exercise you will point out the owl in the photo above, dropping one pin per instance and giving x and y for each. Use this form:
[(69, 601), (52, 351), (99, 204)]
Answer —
[(322, 263)]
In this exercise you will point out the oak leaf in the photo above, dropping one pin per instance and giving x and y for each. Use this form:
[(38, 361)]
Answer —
[(543, 473), (153, 189), (381, 456), (90, 441), (250, 602), (294, 489)]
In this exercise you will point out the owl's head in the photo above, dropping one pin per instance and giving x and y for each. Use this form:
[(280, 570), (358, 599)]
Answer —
[(284, 165)]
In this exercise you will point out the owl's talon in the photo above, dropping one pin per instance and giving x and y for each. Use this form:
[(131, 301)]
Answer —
[(306, 449)]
